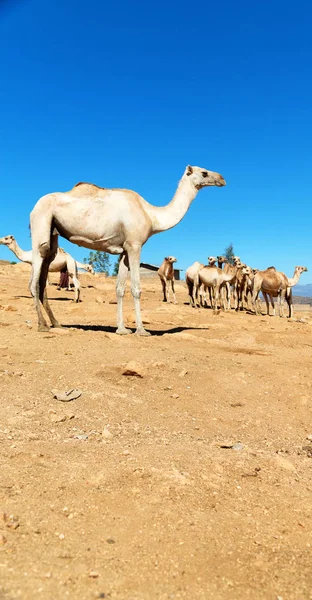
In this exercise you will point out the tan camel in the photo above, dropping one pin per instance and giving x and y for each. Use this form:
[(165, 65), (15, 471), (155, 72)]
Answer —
[(61, 261), (166, 274), (241, 287), (275, 284), (113, 220), (231, 270), (222, 260)]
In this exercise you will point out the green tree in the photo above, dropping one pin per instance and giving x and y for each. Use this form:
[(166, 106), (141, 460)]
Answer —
[(229, 253), (116, 267), (99, 260)]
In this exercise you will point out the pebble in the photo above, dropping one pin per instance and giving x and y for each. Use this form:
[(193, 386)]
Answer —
[(106, 434), (183, 373), (3, 540), (93, 574), (99, 300), (238, 446), (175, 396), (133, 369), (309, 437)]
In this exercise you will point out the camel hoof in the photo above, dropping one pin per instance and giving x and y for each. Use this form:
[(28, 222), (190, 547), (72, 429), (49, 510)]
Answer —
[(142, 332), (57, 325), (123, 331), (43, 328)]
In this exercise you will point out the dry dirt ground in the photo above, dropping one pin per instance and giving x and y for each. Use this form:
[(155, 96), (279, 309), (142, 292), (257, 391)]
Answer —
[(133, 491)]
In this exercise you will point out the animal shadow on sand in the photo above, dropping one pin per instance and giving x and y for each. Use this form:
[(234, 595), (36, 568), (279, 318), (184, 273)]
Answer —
[(109, 329)]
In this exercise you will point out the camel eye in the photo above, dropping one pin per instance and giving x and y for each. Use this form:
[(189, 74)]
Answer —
[(204, 174)]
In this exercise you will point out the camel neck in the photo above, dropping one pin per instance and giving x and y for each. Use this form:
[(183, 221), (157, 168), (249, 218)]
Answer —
[(294, 280), (23, 255), (166, 217)]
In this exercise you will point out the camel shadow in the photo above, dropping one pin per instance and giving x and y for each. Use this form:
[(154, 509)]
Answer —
[(50, 299), (109, 329)]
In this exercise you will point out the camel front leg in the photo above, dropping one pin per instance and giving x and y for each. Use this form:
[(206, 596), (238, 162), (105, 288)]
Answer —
[(120, 292), (173, 292), (167, 285), (134, 264), (163, 283)]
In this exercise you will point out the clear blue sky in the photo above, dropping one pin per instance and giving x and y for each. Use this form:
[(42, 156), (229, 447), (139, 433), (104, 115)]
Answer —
[(126, 94)]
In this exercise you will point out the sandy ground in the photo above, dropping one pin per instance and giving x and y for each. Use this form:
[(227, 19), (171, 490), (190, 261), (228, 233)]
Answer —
[(134, 490)]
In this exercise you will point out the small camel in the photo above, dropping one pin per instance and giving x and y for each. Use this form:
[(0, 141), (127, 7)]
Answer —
[(117, 221), (210, 277), (190, 275), (275, 284), (166, 274), (61, 261)]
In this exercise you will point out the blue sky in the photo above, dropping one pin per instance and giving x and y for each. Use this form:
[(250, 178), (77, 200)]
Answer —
[(126, 94)]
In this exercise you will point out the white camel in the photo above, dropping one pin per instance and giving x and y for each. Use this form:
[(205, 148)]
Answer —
[(113, 220), (85, 267), (62, 260)]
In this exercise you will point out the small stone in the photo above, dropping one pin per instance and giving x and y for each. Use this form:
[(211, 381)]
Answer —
[(93, 574), (12, 522), (3, 540), (59, 419), (99, 300), (133, 369), (110, 541), (106, 434), (309, 437), (61, 536), (3, 347), (238, 446), (126, 452), (112, 302), (175, 396), (183, 373), (81, 436)]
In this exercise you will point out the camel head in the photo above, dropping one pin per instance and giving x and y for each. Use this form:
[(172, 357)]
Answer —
[(7, 240), (90, 269), (222, 259), (171, 259), (203, 178), (301, 269), (212, 260), (247, 270), (236, 261)]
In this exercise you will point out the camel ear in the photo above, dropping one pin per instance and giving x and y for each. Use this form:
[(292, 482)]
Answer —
[(166, 257), (189, 170)]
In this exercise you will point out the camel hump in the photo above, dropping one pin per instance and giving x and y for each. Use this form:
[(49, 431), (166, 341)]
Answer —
[(85, 184), (271, 269)]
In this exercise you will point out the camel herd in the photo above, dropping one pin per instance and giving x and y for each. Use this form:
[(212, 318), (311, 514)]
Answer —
[(120, 221), (241, 284)]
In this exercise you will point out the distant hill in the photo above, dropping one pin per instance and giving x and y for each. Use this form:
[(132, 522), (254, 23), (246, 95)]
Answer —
[(303, 290), (302, 300)]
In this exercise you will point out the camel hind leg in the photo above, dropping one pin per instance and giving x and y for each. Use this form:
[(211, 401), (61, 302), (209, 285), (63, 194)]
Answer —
[(42, 259)]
